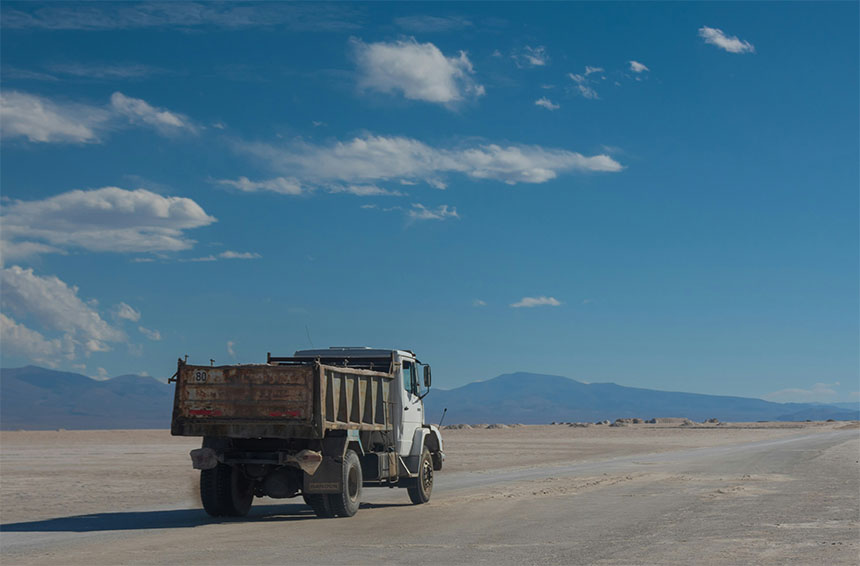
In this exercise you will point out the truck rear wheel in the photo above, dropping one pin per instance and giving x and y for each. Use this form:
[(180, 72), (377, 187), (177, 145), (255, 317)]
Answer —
[(345, 503), (225, 491), (420, 492), (319, 502)]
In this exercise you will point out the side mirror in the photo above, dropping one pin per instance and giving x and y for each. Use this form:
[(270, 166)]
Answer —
[(427, 377)]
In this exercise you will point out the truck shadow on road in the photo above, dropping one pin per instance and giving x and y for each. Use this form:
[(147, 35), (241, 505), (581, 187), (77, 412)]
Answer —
[(141, 520), (169, 519)]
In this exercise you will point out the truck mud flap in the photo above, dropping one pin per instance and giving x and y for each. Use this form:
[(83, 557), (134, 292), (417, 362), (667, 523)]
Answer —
[(408, 467), (328, 477)]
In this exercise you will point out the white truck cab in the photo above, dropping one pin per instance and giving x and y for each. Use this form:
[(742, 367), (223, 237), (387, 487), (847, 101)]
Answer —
[(408, 410)]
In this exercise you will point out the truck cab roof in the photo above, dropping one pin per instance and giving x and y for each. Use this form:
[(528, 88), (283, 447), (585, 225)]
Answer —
[(351, 352)]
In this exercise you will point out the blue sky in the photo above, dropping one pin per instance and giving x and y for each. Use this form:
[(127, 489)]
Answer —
[(659, 195)]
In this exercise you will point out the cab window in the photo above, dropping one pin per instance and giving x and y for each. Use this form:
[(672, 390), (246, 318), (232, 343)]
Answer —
[(410, 379)]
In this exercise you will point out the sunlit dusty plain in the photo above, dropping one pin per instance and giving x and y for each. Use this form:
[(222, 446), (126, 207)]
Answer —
[(772, 493)]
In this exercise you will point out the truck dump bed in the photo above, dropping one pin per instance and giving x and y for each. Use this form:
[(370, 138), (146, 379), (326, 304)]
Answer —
[(300, 400)]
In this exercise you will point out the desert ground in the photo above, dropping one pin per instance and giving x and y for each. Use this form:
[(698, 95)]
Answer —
[(728, 493)]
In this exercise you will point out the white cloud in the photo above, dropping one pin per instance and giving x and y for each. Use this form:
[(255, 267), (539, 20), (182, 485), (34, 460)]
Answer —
[(230, 349), (13, 251), (141, 112), (285, 186), (421, 212), (56, 307), (732, 44), (638, 67), (280, 185), (590, 70), (17, 339), (126, 312), (153, 335), (381, 158), (420, 71), (531, 57), (818, 393), (229, 254), (363, 190), (583, 86), (546, 103), (529, 302), (39, 119), (103, 220), (478, 303)]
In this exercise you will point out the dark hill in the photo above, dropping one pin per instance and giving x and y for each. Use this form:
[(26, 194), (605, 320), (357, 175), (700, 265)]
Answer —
[(530, 398), (37, 398)]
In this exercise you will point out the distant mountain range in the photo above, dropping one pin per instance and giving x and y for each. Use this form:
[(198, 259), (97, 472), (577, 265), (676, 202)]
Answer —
[(36, 398), (530, 398)]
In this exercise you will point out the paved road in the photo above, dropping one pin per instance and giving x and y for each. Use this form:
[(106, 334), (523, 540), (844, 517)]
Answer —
[(792, 500)]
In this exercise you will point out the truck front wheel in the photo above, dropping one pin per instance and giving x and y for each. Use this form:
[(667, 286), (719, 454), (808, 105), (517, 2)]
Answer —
[(225, 491), (345, 503), (420, 492)]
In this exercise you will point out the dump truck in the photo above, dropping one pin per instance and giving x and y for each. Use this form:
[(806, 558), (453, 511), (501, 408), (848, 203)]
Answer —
[(321, 424)]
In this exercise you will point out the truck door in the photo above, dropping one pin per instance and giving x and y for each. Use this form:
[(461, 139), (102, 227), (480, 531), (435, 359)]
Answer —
[(411, 417)]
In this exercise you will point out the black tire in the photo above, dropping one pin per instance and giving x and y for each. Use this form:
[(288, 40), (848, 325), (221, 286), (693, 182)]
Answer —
[(319, 502), (225, 491), (345, 503), (420, 492)]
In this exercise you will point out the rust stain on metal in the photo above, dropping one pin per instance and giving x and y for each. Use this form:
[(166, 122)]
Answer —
[(267, 400)]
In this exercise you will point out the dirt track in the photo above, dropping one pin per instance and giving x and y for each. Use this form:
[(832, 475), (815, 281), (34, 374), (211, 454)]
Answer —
[(552, 494)]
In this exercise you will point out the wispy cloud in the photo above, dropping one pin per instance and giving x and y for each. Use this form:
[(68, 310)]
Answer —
[(731, 44), (418, 71), (818, 393), (530, 302), (637, 67), (280, 185), (583, 86), (100, 220), (26, 74), (479, 303), (127, 312), (546, 103), (39, 119), (372, 159), (421, 212), (229, 254), (183, 15), (152, 334), (531, 57), (230, 349), (106, 71), (292, 186), (141, 112), (433, 24)]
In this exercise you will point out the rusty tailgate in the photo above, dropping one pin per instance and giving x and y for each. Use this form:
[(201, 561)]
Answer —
[(210, 398)]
